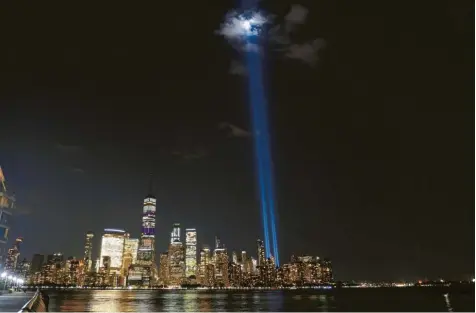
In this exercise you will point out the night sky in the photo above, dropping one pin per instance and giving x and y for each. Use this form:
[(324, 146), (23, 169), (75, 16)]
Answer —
[(373, 147)]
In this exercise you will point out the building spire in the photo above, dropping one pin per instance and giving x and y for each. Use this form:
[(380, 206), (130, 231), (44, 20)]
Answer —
[(151, 193)]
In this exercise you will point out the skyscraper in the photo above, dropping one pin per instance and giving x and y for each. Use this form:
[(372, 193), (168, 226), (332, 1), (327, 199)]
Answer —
[(190, 252), (164, 269), (176, 255), (12, 257), (112, 249), (146, 252), (131, 246), (221, 264), (88, 251), (175, 234), (7, 204), (205, 260), (37, 262), (261, 253)]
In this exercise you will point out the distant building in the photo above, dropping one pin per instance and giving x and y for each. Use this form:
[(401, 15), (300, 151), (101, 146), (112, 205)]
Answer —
[(13, 255), (164, 269), (112, 253), (326, 271), (175, 234), (205, 260), (88, 251), (221, 264), (37, 262), (261, 253), (146, 252), (131, 246), (23, 269), (190, 252), (176, 260)]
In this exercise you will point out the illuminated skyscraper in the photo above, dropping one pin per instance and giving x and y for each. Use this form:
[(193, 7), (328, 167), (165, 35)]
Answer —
[(190, 252), (176, 264), (112, 249), (146, 252), (205, 260), (175, 234), (221, 264), (12, 257), (261, 253), (7, 205), (234, 257), (164, 269), (176, 259), (88, 251), (130, 253), (131, 247)]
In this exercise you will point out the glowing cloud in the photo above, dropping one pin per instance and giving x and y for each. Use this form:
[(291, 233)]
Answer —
[(239, 27)]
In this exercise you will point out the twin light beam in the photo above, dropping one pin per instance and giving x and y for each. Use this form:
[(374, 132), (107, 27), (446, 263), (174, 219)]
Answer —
[(252, 24)]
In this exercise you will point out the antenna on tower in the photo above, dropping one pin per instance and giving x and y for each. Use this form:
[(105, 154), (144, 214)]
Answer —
[(150, 185)]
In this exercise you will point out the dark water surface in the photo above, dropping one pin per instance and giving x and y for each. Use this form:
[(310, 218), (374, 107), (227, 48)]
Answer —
[(381, 299)]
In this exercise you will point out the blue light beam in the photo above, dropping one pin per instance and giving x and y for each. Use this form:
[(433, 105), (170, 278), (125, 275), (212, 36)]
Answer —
[(263, 160)]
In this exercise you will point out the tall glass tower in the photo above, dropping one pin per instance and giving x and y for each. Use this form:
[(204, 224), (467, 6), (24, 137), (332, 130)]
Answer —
[(88, 251), (146, 251)]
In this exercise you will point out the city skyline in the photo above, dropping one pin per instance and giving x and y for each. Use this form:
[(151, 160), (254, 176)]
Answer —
[(372, 147)]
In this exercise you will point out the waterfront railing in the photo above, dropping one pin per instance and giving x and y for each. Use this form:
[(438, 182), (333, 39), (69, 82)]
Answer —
[(38, 303)]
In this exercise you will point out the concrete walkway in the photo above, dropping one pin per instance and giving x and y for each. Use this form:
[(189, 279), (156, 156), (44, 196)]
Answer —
[(13, 302)]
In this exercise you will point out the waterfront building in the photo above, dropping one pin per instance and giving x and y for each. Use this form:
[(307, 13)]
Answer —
[(88, 250), (131, 246), (261, 253), (205, 260), (23, 269), (210, 275), (164, 269), (234, 274), (52, 273), (190, 252), (176, 258), (221, 264), (111, 256), (326, 271)]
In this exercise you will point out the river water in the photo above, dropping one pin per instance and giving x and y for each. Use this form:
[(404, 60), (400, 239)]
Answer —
[(379, 299)]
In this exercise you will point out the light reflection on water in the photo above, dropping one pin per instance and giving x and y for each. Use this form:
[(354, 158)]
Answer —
[(246, 301), (175, 301)]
